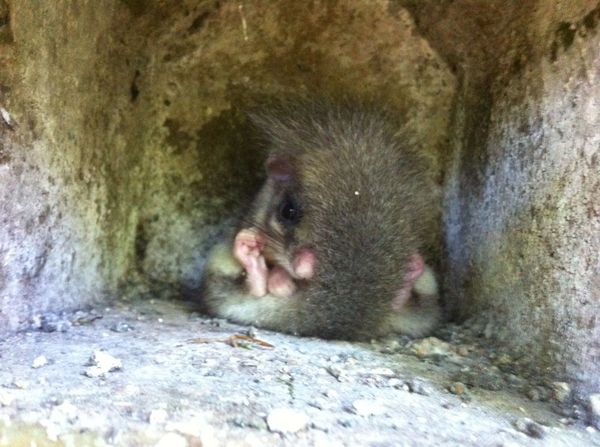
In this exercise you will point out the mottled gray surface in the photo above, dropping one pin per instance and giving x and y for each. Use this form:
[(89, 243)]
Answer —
[(522, 214), (126, 148), (213, 394)]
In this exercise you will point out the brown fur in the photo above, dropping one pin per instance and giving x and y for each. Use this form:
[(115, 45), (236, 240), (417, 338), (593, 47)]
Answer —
[(367, 206)]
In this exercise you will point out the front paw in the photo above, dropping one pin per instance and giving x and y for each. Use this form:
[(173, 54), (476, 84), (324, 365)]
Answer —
[(248, 247), (280, 283)]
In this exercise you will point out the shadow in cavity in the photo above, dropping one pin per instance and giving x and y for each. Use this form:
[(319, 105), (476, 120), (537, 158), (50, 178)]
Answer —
[(231, 158)]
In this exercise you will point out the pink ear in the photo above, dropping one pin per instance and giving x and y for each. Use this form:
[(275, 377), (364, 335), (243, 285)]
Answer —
[(279, 168)]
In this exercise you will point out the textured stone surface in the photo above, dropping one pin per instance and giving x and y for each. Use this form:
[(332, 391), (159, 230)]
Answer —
[(522, 225), (132, 148), (126, 148), (65, 235), (182, 379)]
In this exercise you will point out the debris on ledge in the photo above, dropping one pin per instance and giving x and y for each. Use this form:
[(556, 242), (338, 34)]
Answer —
[(168, 388)]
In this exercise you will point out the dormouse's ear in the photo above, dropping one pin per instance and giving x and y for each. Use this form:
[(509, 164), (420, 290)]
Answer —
[(279, 168)]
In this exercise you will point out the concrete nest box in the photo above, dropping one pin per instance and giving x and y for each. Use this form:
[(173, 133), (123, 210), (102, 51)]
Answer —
[(125, 149)]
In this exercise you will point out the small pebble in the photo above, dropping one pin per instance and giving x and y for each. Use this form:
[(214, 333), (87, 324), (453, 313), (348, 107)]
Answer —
[(321, 425), (503, 360), (594, 407), (160, 359), (457, 388), (489, 330), (39, 361), (386, 372), (286, 378), (366, 407), (6, 117), (81, 317), (533, 394), (64, 412), (418, 387), (462, 351), (287, 420), (399, 384), (54, 401), (216, 322), (331, 394), (561, 391), (6, 398), (514, 380), (131, 390), (249, 422), (121, 326), (101, 363), (538, 393), (346, 423), (322, 404), (431, 346), (172, 440), (390, 346), (197, 427), (158, 416), (529, 427), (479, 376), (50, 322), (20, 384), (319, 404), (336, 371)]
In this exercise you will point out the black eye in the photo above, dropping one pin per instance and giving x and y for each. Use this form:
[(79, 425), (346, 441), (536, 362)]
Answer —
[(289, 211)]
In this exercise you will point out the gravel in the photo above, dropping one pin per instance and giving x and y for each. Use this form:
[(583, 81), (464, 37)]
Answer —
[(287, 420), (594, 407), (178, 380)]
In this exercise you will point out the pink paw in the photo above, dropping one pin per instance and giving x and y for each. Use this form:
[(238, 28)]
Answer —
[(247, 249), (415, 268), (280, 283)]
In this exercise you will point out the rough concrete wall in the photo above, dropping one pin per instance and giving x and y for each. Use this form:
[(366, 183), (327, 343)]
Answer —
[(64, 230), (128, 149), (131, 148), (535, 238), (522, 188)]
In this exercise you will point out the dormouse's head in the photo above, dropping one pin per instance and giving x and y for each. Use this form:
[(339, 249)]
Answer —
[(343, 188), (280, 214)]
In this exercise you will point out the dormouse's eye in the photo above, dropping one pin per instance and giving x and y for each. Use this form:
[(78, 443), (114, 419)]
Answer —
[(289, 211)]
